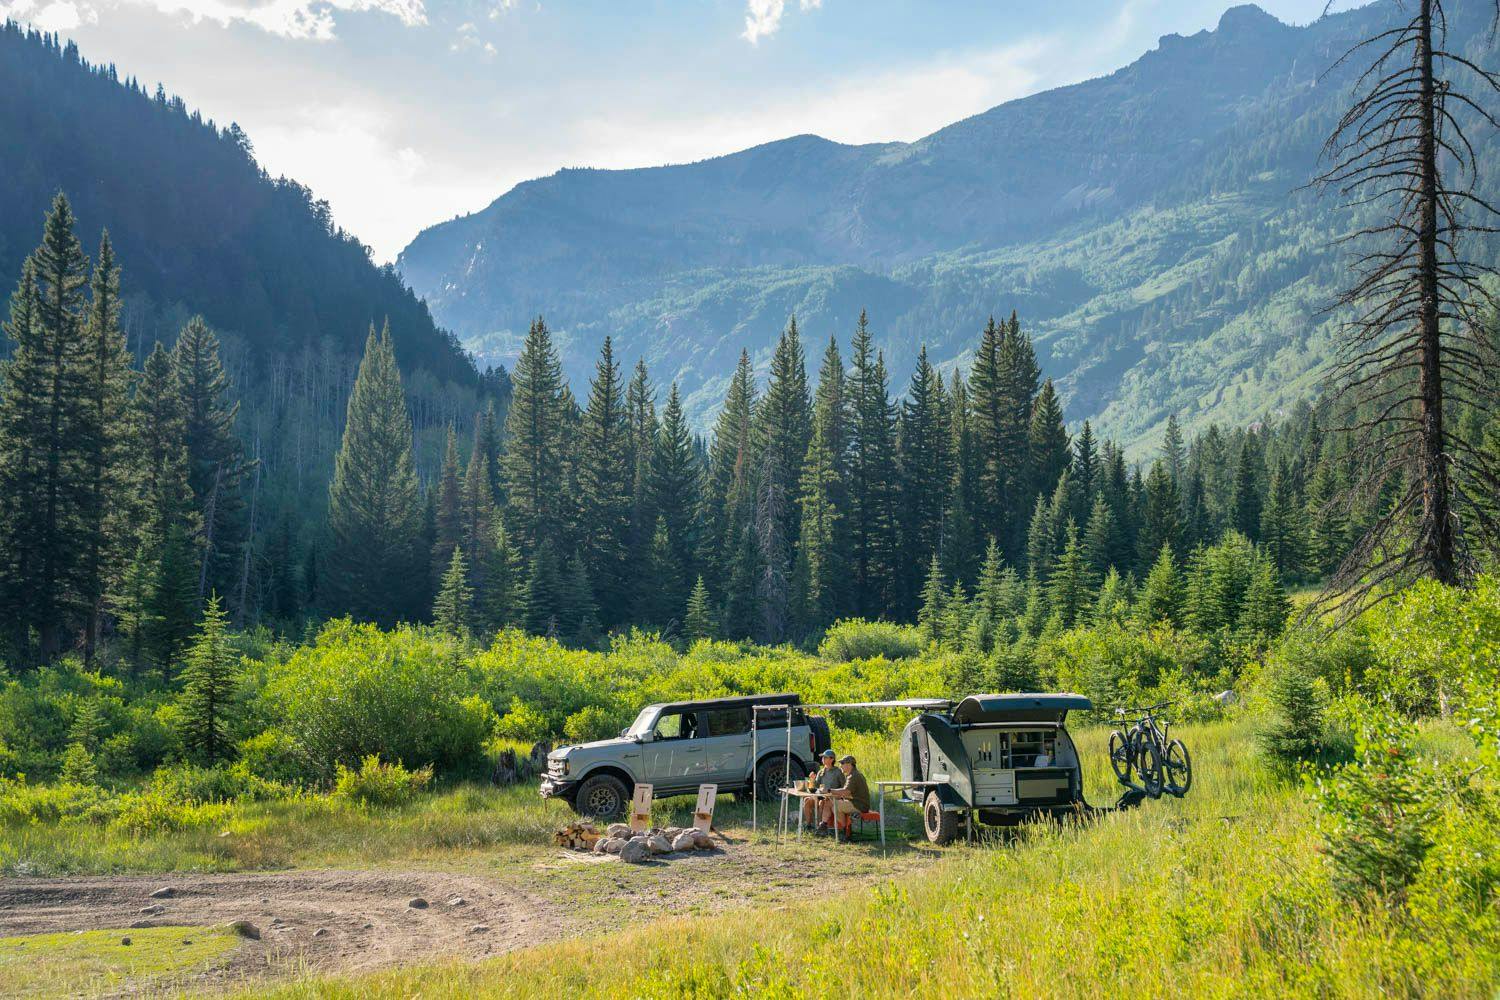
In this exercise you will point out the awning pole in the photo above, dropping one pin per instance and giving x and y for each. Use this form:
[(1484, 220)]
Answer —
[(754, 756)]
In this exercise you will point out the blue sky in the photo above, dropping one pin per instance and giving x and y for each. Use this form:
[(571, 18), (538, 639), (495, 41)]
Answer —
[(403, 113)]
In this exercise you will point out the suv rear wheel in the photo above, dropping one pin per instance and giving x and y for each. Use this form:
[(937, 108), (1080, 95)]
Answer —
[(772, 774), (602, 796)]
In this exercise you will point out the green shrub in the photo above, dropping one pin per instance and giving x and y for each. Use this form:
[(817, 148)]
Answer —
[(1296, 728), (275, 756), (1456, 894), (25, 803), (522, 722), (153, 812), (1014, 668), (78, 767), (858, 639), (190, 784), (403, 695), (1379, 812), (1126, 664), (1437, 649), (589, 723), (380, 784)]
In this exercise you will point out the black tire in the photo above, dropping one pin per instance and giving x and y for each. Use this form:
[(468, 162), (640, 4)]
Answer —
[(1179, 769), (602, 796), (771, 775), (1148, 765), (1120, 755), (940, 825)]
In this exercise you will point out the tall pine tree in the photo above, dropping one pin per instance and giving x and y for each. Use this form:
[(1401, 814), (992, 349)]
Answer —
[(926, 473), (821, 575), (216, 459), (873, 485), (43, 476), (104, 439), (376, 568), (606, 477), (534, 444)]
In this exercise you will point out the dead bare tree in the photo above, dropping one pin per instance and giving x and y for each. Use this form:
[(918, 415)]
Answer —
[(1413, 344)]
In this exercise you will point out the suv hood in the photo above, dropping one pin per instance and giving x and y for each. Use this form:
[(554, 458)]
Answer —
[(617, 741)]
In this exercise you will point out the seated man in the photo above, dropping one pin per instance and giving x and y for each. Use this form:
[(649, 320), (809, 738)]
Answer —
[(852, 799), (828, 778)]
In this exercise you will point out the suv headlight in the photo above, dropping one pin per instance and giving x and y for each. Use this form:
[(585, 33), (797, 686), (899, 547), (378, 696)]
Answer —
[(557, 766)]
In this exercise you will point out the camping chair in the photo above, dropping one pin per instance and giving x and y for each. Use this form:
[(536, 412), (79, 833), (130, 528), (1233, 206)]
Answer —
[(847, 829)]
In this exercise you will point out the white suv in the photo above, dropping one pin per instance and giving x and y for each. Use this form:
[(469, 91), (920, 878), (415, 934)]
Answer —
[(680, 745)]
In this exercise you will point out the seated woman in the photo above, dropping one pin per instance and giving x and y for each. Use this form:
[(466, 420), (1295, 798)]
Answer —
[(828, 778)]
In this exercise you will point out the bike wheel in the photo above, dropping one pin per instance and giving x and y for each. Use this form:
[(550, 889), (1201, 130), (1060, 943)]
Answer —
[(1179, 769), (1120, 755), (1148, 764)]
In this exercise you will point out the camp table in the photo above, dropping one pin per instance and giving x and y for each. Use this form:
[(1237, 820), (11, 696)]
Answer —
[(800, 793)]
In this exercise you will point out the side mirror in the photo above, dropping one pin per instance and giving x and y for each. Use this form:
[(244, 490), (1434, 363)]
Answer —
[(624, 732)]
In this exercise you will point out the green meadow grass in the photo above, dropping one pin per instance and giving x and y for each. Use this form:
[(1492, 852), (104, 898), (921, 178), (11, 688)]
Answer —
[(96, 962), (1222, 894)]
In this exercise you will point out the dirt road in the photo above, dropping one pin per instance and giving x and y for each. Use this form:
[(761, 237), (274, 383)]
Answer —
[(333, 920), (306, 920)]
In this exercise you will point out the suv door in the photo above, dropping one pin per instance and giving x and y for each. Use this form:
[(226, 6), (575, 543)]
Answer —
[(728, 746), (674, 758)]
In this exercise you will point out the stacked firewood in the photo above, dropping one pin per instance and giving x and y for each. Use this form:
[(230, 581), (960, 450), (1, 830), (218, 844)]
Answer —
[(577, 836)]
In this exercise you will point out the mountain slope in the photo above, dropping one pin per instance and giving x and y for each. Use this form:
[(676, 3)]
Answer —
[(1148, 225), (197, 225)]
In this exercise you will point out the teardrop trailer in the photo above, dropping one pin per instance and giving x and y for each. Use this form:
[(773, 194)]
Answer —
[(996, 758), (999, 759)]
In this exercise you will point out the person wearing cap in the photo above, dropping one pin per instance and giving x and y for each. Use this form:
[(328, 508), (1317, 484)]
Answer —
[(853, 798), (828, 778)]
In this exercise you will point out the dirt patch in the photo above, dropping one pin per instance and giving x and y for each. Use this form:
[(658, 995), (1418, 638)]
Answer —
[(346, 921), (307, 920)]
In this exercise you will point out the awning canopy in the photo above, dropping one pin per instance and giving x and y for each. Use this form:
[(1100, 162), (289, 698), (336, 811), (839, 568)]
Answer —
[(910, 704), (1019, 707)]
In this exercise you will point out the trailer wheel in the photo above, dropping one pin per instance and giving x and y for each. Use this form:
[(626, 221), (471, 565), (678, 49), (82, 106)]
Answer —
[(940, 825)]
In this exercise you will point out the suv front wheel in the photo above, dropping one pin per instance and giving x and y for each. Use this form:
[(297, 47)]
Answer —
[(772, 775), (602, 796)]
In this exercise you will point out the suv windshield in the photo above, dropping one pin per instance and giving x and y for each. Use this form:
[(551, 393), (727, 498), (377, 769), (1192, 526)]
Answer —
[(643, 722)]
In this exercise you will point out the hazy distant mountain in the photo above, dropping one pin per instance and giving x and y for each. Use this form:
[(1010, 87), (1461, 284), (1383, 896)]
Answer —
[(1148, 226), (197, 226)]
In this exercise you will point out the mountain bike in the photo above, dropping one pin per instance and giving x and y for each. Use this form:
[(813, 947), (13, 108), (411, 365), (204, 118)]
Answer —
[(1162, 763)]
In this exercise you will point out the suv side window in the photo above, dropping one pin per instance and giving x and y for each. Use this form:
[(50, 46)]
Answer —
[(729, 722), (677, 726)]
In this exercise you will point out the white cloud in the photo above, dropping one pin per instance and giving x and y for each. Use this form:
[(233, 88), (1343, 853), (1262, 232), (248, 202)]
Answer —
[(763, 17), (302, 19), (297, 19), (896, 105), (467, 37), (59, 15), (363, 160)]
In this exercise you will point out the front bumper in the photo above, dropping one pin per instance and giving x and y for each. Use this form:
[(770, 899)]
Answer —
[(553, 787)]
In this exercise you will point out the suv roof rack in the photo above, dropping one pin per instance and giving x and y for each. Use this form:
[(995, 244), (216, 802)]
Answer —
[(738, 701)]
